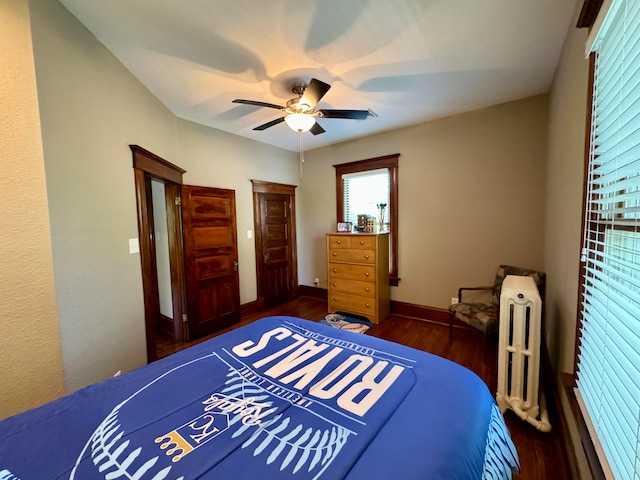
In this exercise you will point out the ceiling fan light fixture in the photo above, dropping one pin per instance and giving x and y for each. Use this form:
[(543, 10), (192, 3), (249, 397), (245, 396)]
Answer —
[(300, 122)]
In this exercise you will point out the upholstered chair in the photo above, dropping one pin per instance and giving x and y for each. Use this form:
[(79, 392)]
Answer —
[(484, 316)]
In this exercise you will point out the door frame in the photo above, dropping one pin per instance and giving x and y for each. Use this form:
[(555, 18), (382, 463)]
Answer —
[(260, 187), (147, 165)]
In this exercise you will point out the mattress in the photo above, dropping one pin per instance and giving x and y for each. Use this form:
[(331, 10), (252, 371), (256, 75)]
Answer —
[(279, 398)]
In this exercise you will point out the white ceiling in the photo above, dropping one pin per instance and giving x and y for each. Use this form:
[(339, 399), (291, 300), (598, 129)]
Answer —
[(409, 61)]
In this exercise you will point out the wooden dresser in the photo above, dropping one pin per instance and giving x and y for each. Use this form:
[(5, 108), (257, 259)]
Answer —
[(358, 274)]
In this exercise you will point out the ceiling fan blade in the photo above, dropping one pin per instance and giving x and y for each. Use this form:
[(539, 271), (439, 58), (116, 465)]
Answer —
[(314, 92), (348, 114), (316, 129), (257, 104), (264, 126)]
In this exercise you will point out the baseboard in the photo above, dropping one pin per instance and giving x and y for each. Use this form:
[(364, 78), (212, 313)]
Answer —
[(251, 308), (434, 314), (549, 387), (313, 292), (165, 324)]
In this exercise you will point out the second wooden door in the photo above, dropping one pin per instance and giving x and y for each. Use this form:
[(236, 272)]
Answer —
[(274, 207), (211, 259)]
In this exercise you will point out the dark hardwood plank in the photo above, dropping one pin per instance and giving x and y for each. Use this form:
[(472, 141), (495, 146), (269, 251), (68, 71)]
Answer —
[(302, 307), (541, 454)]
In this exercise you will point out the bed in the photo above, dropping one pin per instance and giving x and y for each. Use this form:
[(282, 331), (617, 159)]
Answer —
[(279, 398)]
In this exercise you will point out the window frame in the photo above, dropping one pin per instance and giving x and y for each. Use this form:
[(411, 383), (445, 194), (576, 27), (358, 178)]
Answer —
[(390, 163)]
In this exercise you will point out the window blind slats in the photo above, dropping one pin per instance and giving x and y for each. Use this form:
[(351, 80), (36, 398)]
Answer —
[(626, 164), (363, 191), (610, 433), (626, 184), (621, 133), (604, 163), (623, 196), (608, 370), (618, 304), (627, 372)]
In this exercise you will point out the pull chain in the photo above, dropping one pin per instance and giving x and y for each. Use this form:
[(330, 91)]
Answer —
[(301, 153)]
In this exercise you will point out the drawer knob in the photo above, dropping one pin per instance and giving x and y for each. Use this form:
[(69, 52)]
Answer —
[(335, 271), (338, 242), (334, 254), (335, 299), (361, 242), (366, 256), (366, 289), (366, 274), (335, 284), (367, 305)]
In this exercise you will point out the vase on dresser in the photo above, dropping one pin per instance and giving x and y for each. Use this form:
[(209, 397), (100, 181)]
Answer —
[(381, 209)]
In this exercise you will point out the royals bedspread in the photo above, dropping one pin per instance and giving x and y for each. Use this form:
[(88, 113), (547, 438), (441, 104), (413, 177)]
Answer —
[(280, 398)]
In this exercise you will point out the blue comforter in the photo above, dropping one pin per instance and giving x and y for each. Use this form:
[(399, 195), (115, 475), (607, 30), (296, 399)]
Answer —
[(280, 398)]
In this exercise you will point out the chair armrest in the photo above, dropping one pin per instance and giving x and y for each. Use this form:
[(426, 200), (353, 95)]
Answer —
[(492, 287)]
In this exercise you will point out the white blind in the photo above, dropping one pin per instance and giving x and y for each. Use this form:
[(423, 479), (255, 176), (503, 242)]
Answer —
[(609, 354), (363, 191)]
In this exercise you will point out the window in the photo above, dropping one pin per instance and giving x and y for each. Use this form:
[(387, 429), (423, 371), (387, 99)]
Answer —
[(362, 192), (608, 361), (360, 187)]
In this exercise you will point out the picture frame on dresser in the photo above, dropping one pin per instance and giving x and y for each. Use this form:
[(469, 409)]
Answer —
[(343, 227)]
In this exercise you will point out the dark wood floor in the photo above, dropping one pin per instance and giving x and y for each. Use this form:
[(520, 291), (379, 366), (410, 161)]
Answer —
[(541, 454)]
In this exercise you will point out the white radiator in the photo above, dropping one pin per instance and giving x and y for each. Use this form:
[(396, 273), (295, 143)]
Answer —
[(519, 351)]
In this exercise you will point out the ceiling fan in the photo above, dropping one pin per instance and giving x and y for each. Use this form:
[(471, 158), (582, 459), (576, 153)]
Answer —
[(301, 112)]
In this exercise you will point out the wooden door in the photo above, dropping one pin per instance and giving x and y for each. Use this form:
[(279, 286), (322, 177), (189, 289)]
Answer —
[(211, 259), (275, 218)]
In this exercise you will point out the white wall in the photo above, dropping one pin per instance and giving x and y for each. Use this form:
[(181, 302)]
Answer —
[(161, 238), (30, 356), (472, 190), (91, 110)]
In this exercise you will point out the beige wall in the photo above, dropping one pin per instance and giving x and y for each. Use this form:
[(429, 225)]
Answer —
[(214, 158), (91, 110), (471, 192), (565, 174), (30, 354), (565, 167)]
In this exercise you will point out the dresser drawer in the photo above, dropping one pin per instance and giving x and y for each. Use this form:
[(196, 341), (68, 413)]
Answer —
[(364, 242), (352, 272), (352, 255), (339, 241), (354, 303), (353, 287), (367, 242)]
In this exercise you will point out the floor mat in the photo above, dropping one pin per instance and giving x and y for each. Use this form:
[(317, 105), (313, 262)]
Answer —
[(346, 322)]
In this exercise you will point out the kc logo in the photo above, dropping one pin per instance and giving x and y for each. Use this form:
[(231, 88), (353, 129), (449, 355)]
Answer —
[(193, 434)]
